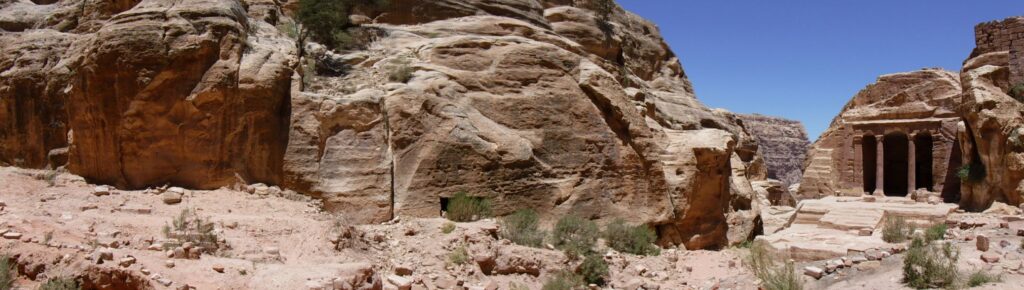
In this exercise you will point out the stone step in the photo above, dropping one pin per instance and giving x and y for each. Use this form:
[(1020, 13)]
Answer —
[(852, 218)]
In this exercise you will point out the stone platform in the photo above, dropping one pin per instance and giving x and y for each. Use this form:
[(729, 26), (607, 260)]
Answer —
[(833, 227)]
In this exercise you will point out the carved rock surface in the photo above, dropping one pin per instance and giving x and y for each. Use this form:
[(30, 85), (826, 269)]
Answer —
[(902, 106)]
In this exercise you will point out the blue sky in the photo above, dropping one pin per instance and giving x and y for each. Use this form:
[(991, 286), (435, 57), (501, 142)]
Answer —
[(804, 59)]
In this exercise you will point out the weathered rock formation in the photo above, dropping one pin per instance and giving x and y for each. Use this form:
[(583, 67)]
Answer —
[(894, 137), (537, 104), (993, 117), (194, 93), (783, 143)]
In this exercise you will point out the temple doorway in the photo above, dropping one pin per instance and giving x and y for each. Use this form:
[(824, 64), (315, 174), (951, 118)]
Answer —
[(895, 148), (870, 158)]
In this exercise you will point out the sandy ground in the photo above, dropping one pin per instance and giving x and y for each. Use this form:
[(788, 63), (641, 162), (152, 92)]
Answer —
[(286, 242)]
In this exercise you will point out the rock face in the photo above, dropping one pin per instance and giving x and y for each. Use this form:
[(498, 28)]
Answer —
[(150, 92), (993, 118), (895, 136), (528, 107), (783, 143), (538, 104)]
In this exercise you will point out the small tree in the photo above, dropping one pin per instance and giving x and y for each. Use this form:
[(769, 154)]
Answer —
[(603, 8)]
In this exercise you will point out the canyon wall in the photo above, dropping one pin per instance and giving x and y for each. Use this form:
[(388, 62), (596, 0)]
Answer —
[(783, 143), (531, 104)]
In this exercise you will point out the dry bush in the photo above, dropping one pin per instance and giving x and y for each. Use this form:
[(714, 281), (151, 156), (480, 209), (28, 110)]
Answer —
[(522, 227), (896, 230), (980, 277), (564, 280), (575, 236), (459, 256), (189, 227), (772, 276), (930, 265), (465, 208), (60, 283), (6, 277), (637, 240)]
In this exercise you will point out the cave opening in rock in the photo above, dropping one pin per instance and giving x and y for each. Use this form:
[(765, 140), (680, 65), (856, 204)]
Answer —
[(923, 157), (895, 153), (870, 147), (444, 206)]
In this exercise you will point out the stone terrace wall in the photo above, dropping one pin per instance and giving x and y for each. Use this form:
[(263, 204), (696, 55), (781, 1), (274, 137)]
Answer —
[(1000, 35)]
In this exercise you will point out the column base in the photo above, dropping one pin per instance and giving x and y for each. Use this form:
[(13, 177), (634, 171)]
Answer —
[(878, 192)]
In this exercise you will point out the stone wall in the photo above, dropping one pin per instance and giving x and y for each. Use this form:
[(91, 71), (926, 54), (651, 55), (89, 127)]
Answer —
[(783, 143), (1005, 35)]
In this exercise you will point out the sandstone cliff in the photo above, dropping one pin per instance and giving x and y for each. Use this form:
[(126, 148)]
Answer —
[(783, 143), (993, 116), (537, 104)]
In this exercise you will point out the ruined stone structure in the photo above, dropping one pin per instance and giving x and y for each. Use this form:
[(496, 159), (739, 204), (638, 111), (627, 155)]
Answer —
[(894, 137), (1005, 36)]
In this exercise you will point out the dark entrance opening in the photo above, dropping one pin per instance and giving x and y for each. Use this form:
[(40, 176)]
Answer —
[(951, 188), (444, 206), (923, 158), (869, 146), (895, 168)]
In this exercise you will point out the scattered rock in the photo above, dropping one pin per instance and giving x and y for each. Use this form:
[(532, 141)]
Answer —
[(983, 242), (868, 265), (12, 235), (401, 282), (101, 190), (873, 254), (990, 257), (815, 272), (218, 268), (126, 261), (169, 264), (171, 197), (404, 270)]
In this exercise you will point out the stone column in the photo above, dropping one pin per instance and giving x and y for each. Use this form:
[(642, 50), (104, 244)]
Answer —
[(911, 165), (880, 166)]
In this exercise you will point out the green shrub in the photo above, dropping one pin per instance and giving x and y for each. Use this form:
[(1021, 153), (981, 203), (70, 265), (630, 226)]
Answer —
[(974, 171), (602, 8), (188, 226), (400, 71), (637, 240), (327, 22), (60, 284), (522, 227), (465, 208), (772, 276), (564, 280), (1017, 92), (459, 255), (575, 235), (6, 277), (928, 265), (980, 277), (594, 269), (896, 230), (448, 227), (935, 233)]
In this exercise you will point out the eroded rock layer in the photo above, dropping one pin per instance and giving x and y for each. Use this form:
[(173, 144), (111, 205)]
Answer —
[(783, 143), (994, 116), (531, 104)]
